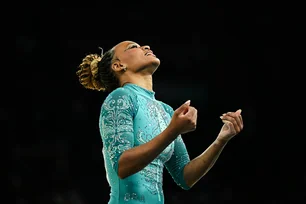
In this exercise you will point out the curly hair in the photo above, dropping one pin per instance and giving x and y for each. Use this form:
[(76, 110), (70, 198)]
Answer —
[(95, 72)]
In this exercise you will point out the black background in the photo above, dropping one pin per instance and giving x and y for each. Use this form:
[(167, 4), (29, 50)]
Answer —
[(221, 55)]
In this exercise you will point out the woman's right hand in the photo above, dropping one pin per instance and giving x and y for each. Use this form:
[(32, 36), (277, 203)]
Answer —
[(184, 119)]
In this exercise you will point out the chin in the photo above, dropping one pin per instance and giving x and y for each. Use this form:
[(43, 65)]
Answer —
[(156, 62), (151, 66), (155, 65)]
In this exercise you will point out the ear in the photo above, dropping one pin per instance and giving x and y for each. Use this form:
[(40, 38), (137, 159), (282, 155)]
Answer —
[(118, 67)]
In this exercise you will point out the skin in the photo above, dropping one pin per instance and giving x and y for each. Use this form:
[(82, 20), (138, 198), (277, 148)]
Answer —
[(139, 61), (139, 70)]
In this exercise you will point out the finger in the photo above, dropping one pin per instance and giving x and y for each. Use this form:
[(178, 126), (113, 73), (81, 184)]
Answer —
[(232, 120), (238, 112), (230, 126), (237, 116), (195, 112), (183, 109), (241, 121), (192, 115), (192, 112), (232, 115), (195, 116)]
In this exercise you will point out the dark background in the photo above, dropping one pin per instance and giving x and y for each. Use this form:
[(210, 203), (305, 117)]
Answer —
[(222, 56)]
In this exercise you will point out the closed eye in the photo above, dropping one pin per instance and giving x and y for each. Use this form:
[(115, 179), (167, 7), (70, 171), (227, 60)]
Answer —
[(133, 46)]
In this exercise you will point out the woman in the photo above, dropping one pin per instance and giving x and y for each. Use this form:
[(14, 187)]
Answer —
[(141, 135)]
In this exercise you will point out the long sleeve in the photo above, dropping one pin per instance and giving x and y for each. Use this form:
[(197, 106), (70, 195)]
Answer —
[(116, 125), (177, 162), (180, 157)]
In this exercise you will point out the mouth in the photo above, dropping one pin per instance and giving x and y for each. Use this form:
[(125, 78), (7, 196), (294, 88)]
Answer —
[(150, 54)]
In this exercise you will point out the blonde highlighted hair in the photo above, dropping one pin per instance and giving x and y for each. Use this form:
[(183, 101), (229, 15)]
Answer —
[(95, 72)]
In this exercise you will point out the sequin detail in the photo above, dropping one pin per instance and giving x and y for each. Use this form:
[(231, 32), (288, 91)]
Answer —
[(134, 196), (130, 117), (115, 123), (157, 122)]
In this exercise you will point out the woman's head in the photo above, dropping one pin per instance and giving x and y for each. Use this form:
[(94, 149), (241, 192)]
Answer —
[(125, 60)]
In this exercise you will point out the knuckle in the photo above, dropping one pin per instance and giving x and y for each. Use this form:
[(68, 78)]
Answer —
[(193, 123)]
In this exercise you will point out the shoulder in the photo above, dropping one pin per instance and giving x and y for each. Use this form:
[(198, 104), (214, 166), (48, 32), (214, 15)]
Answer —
[(120, 97), (121, 93)]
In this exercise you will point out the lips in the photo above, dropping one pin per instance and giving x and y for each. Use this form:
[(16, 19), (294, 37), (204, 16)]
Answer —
[(149, 53)]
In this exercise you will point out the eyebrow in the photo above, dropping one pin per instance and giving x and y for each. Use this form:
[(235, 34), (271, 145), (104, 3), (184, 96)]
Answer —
[(130, 44)]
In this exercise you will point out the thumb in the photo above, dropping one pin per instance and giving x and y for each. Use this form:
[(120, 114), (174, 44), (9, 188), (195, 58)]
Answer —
[(183, 106)]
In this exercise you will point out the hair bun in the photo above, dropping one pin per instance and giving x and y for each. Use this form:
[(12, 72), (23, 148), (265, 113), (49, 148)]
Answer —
[(88, 72)]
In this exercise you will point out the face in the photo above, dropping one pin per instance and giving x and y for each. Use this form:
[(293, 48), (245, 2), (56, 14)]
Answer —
[(135, 58)]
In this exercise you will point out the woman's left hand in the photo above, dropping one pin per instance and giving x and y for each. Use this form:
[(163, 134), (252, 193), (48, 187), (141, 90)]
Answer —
[(233, 124)]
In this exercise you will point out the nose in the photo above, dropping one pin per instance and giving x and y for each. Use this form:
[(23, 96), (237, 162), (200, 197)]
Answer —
[(146, 47)]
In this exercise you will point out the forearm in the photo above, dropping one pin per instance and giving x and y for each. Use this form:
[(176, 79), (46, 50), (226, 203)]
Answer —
[(135, 159), (200, 165)]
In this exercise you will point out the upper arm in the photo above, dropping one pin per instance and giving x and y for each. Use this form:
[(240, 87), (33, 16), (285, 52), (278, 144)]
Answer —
[(116, 125), (179, 158), (177, 163)]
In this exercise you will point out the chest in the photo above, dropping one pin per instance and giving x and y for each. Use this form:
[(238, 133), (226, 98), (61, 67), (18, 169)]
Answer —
[(150, 121)]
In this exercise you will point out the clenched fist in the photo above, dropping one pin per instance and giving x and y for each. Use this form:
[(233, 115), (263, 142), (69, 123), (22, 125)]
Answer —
[(184, 119), (233, 124)]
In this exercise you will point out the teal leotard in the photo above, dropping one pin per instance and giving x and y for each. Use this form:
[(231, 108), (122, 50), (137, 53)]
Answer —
[(131, 116)]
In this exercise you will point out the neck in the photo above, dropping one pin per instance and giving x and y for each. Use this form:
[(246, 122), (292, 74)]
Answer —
[(140, 80)]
